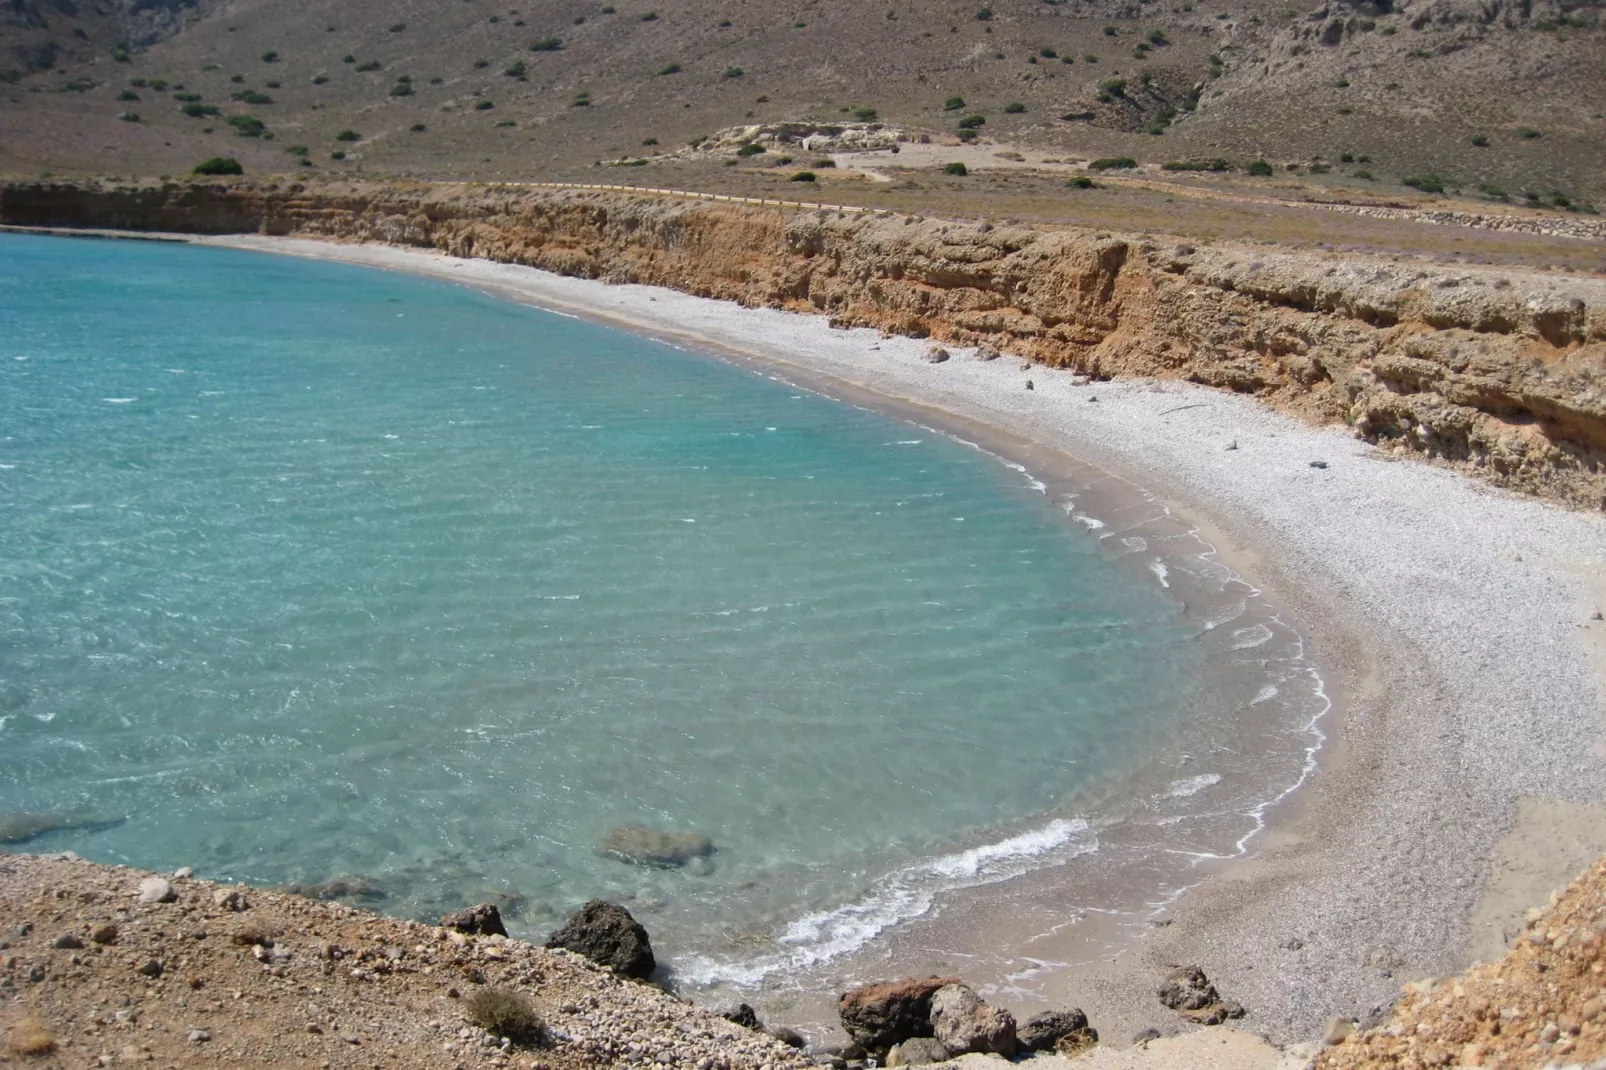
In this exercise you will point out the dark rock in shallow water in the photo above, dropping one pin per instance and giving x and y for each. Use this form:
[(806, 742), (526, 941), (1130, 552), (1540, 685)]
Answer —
[(482, 920), (607, 935), (788, 1036), (1041, 1032), (648, 847), (879, 1016), (966, 1025), (742, 1015), (348, 887)]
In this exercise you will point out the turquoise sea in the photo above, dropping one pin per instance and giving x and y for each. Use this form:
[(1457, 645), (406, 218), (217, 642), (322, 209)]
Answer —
[(311, 571)]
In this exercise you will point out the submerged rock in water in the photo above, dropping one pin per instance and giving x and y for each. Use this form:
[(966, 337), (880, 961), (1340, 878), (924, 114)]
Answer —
[(607, 935), (879, 1016), (743, 1015), (482, 920), (964, 1024), (348, 887), (23, 826), (648, 847)]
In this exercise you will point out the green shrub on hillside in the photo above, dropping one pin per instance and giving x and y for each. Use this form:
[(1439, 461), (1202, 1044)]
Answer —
[(1080, 182), (547, 44), (1113, 163), (953, 104), (418, 128), (803, 176), (956, 168), (1426, 183), (750, 148), (396, 27), (1259, 167), (219, 165), (270, 56), (371, 65), (1528, 133), (348, 135), (516, 69), (1217, 164), (733, 72), (251, 96), (483, 105), (1116, 87), (972, 122), (200, 111), (865, 115), (1014, 107), (247, 125), (128, 94)]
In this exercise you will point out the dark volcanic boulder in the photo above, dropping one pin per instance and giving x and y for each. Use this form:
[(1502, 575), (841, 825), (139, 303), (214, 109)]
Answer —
[(607, 935), (1041, 1032), (483, 920), (743, 1015), (879, 1016)]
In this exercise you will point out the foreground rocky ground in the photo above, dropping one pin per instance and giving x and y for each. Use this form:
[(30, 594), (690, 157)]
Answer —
[(99, 967), (1542, 1005)]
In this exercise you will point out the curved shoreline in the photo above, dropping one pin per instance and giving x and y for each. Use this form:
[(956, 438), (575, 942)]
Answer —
[(1453, 619), (1447, 612)]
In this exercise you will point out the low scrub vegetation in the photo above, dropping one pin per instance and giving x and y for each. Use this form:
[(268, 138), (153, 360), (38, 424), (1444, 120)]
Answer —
[(1113, 163), (956, 168), (219, 165), (506, 1013), (1217, 164)]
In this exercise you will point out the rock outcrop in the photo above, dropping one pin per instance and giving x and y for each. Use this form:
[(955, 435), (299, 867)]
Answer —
[(1499, 373), (607, 935), (963, 1024), (1189, 992), (1043, 1032), (880, 1016), (482, 920)]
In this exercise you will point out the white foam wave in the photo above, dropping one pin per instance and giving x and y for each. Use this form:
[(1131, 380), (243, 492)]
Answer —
[(1265, 694), (1088, 522), (906, 442), (559, 597), (1252, 636), (1161, 572), (119, 401), (1135, 543), (1182, 789), (899, 897)]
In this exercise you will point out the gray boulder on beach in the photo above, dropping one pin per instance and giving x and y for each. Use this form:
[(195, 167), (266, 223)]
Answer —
[(1189, 992), (1041, 1032), (648, 847), (606, 934), (919, 1051), (965, 1025)]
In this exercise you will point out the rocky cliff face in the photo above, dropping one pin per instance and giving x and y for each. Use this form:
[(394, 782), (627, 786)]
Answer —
[(1500, 373)]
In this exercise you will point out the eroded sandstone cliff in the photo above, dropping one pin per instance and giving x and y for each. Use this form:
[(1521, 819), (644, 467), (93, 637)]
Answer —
[(1500, 372)]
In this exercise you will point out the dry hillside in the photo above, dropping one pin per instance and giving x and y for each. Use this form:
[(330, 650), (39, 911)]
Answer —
[(1498, 99)]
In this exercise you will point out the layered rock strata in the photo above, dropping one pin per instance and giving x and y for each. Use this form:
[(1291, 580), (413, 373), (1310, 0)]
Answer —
[(1494, 371)]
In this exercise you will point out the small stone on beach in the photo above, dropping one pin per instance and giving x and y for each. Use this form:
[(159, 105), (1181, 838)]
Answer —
[(156, 890)]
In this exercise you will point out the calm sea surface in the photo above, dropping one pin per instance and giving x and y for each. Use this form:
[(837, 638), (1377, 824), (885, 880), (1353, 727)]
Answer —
[(309, 571)]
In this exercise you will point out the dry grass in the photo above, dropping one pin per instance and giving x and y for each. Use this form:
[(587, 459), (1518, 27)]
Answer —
[(31, 1037), (506, 1013)]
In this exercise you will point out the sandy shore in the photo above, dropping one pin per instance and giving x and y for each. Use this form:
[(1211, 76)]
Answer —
[(1452, 622)]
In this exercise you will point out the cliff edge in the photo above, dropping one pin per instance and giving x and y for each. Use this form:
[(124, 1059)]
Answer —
[(1498, 372)]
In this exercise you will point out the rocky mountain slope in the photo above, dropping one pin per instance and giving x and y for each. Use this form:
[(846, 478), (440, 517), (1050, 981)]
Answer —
[(1496, 98), (1501, 373)]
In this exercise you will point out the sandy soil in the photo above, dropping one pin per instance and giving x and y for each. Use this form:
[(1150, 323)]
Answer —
[(1447, 618)]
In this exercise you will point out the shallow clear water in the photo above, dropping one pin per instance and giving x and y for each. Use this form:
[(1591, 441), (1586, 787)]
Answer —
[(308, 570)]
